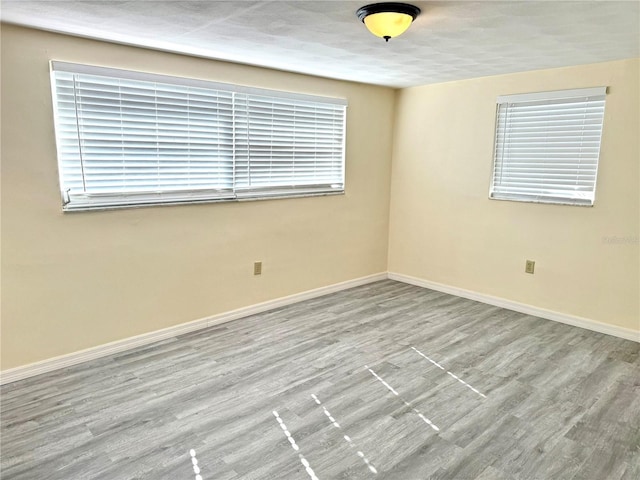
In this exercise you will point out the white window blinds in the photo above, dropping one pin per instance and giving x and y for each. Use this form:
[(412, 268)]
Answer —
[(283, 145), (128, 138), (547, 146)]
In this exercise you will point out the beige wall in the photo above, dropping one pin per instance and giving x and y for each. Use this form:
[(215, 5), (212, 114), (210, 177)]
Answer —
[(443, 227), (77, 280)]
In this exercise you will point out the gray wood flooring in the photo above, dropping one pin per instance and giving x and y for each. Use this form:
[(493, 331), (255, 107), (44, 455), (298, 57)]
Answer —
[(386, 381)]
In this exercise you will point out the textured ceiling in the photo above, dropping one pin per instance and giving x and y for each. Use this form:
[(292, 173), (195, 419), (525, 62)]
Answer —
[(450, 40)]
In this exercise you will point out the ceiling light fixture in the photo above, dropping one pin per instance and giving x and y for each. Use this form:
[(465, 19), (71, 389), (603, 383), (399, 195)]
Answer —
[(389, 19)]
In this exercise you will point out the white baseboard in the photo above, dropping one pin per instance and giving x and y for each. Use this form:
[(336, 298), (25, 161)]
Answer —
[(30, 370), (581, 322)]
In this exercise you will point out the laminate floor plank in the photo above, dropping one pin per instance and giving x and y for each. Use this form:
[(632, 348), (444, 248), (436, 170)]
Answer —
[(386, 380)]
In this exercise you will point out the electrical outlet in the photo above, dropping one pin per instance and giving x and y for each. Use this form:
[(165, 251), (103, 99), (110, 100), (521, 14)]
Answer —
[(257, 268), (529, 266)]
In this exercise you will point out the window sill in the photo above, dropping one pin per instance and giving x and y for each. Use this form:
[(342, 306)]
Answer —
[(247, 198), (564, 202)]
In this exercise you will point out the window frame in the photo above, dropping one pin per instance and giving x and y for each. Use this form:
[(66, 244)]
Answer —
[(126, 199), (560, 196)]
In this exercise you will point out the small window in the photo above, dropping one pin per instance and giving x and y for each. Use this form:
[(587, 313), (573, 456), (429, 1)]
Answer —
[(547, 146), (129, 138)]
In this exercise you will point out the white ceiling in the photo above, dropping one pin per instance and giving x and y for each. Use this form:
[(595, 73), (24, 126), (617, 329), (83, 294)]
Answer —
[(450, 40)]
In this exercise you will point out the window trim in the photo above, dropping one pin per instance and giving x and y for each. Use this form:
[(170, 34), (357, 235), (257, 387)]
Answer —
[(541, 97), (136, 199)]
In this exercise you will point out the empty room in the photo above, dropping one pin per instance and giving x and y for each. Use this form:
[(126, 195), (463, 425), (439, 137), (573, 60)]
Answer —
[(320, 240)]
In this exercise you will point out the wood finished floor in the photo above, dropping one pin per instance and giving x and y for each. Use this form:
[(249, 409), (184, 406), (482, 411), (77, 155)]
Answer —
[(360, 380)]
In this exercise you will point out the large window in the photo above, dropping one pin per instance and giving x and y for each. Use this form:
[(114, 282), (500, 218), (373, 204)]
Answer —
[(547, 146), (129, 138)]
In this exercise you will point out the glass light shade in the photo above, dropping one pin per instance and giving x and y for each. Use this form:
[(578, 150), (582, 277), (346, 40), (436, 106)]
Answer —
[(388, 24)]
